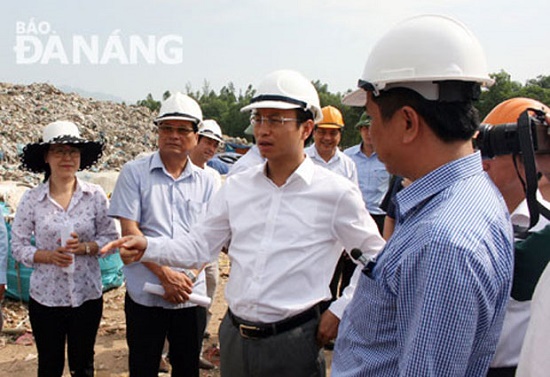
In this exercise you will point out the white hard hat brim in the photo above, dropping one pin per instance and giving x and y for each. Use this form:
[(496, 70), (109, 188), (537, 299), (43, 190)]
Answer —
[(176, 117), (357, 98), (211, 136), (270, 105)]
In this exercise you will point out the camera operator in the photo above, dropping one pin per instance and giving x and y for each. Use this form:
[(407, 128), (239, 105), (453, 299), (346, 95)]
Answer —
[(508, 172), (534, 360)]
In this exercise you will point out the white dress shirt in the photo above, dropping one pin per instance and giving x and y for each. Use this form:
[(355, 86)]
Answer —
[(284, 241), (340, 163), (534, 360), (518, 313)]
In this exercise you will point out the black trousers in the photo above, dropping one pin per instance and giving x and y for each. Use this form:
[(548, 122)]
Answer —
[(148, 327), (53, 326), (293, 353)]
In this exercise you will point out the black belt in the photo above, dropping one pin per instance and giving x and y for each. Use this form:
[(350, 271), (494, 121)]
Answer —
[(263, 330)]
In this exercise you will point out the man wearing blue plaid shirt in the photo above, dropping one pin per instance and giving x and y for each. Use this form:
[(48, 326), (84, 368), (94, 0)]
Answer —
[(432, 304)]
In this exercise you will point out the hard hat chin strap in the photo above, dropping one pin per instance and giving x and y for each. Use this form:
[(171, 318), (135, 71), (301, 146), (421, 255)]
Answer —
[(458, 91)]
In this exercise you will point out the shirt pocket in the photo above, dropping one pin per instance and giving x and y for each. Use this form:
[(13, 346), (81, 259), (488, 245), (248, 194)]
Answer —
[(195, 210), (381, 175)]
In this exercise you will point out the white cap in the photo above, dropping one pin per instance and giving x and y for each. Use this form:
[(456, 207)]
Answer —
[(286, 89), (420, 52), (211, 129), (179, 107)]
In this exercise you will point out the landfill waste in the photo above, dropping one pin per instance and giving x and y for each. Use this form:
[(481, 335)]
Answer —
[(126, 130)]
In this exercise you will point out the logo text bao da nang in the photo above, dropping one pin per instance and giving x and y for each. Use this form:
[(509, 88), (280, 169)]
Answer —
[(37, 43)]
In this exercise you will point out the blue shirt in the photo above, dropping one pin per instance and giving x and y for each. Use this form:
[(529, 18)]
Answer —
[(434, 302), (163, 206), (374, 179)]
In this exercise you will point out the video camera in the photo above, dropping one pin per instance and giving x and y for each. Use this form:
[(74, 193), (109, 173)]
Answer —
[(529, 135), (503, 139)]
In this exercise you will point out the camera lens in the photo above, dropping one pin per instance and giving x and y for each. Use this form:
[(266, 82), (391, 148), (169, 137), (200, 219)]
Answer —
[(496, 141)]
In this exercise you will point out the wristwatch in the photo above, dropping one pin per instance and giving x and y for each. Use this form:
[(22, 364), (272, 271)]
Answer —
[(87, 248)]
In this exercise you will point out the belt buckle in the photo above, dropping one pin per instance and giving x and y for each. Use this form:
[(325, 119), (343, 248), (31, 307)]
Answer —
[(244, 328)]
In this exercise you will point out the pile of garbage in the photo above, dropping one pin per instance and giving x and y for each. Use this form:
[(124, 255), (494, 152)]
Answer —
[(126, 130)]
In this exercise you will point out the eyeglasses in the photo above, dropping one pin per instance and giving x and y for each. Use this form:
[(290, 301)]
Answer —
[(272, 121), (166, 130), (60, 152)]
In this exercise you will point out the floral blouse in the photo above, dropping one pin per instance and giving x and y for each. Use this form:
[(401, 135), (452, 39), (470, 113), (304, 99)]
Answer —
[(39, 215)]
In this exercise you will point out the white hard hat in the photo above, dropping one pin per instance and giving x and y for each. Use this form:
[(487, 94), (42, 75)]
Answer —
[(180, 107), (211, 129), (286, 89), (418, 54)]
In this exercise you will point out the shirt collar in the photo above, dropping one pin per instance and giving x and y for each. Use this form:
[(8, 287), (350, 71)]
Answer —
[(360, 150), (304, 171), (156, 163), (436, 181), (312, 152), (81, 188)]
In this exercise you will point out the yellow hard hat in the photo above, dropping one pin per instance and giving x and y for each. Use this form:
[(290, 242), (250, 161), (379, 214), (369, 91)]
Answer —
[(332, 118)]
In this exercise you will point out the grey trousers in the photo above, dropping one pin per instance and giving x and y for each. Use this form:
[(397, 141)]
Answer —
[(293, 353)]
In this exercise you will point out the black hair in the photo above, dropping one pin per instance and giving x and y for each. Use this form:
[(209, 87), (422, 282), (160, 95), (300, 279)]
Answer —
[(47, 173), (450, 121), (303, 115)]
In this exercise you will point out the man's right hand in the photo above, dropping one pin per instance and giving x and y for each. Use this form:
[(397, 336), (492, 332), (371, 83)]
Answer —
[(131, 248), (177, 285)]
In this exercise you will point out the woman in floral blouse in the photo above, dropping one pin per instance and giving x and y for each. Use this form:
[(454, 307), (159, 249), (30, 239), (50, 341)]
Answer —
[(66, 299)]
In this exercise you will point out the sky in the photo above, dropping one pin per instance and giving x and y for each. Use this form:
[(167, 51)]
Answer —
[(95, 46)]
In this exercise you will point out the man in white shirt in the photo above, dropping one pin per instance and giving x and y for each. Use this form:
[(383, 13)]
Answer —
[(285, 223), (326, 138), (210, 138), (503, 172), (534, 360)]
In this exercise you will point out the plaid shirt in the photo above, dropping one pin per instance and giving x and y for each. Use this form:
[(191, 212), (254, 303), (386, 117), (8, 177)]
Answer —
[(434, 303)]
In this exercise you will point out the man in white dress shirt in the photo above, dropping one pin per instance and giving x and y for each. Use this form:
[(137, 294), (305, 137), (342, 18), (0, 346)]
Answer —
[(503, 172), (285, 223)]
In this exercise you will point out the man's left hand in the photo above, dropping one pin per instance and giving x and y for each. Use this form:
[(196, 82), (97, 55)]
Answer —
[(328, 328)]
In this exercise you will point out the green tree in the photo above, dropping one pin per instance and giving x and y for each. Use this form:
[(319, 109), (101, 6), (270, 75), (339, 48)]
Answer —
[(224, 106), (150, 103), (503, 89)]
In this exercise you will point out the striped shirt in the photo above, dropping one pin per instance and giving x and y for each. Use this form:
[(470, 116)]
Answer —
[(434, 303)]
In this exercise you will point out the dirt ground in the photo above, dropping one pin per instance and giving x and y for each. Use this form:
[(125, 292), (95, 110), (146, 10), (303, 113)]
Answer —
[(18, 355)]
